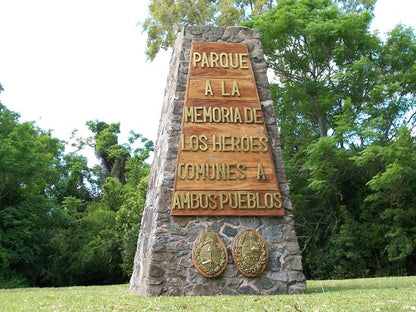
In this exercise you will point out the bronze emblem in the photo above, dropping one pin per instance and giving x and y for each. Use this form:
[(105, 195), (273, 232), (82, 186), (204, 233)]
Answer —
[(250, 253), (210, 255)]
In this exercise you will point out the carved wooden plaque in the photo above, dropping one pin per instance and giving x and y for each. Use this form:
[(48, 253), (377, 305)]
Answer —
[(225, 165)]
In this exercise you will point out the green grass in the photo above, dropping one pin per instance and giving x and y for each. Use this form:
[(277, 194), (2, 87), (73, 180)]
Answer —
[(378, 294)]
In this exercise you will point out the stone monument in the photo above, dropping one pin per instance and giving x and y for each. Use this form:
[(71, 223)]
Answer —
[(218, 217)]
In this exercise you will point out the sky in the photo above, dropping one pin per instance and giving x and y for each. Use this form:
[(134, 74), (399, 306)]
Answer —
[(64, 62)]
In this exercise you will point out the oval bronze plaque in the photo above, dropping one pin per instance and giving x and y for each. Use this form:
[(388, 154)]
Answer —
[(250, 253), (210, 255)]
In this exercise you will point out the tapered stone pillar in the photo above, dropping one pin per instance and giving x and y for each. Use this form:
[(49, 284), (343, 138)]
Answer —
[(218, 217)]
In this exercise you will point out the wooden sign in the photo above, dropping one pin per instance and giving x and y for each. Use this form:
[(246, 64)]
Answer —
[(225, 165)]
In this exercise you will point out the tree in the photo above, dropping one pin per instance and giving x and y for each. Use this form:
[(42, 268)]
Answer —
[(340, 91), (390, 197), (129, 216), (166, 17), (28, 161), (112, 155), (98, 244), (310, 45), (58, 225), (356, 6)]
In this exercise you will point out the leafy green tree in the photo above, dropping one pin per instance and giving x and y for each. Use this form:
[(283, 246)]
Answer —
[(76, 179), (28, 161), (130, 198), (113, 156), (97, 246), (129, 216), (340, 91), (391, 196), (166, 17), (310, 46), (87, 250), (354, 6)]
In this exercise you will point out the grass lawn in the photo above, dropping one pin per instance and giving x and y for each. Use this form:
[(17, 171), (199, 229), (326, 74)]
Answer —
[(378, 294)]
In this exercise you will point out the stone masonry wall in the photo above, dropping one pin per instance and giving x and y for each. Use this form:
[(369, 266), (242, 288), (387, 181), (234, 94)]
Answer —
[(163, 262)]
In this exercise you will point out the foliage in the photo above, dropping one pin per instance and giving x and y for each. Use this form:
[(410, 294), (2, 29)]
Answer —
[(61, 224), (345, 101), (112, 155), (128, 221), (392, 195), (96, 247), (166, 17), (28, 161)]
